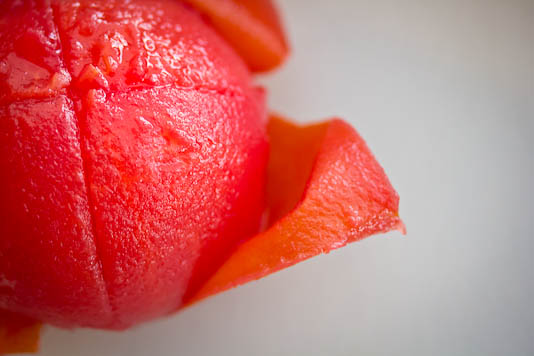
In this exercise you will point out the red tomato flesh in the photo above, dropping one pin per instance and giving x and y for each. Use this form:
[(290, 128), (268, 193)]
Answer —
[(133, 153)]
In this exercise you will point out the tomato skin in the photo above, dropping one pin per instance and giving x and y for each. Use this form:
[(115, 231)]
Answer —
[(319, 199), (18, 333), (252, 27), (135, 149)]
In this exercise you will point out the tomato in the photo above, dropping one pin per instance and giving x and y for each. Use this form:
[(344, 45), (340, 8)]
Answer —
[(136, 164), (134, 150)]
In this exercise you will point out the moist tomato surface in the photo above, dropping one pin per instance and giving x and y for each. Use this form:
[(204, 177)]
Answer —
[(133, 154)]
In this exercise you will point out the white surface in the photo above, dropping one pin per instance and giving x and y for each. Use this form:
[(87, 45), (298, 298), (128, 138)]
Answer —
[(443, 92)]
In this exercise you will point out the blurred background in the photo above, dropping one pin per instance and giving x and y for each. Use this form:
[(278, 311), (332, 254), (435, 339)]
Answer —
[(443, 92)]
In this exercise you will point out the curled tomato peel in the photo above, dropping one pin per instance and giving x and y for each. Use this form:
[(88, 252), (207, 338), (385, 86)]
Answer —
[(325, 189), (252, 28), (18, 333)]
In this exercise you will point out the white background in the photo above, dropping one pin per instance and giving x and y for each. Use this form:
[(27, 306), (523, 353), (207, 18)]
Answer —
[(443, 92)]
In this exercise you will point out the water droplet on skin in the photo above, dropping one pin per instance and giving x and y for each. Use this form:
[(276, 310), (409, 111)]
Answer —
[(145, 122), (145, 26), (149, 43), (118, 43)]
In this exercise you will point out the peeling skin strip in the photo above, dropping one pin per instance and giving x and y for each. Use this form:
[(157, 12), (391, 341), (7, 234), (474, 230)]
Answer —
[(252, 28), (18, 333), (346, 197)]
